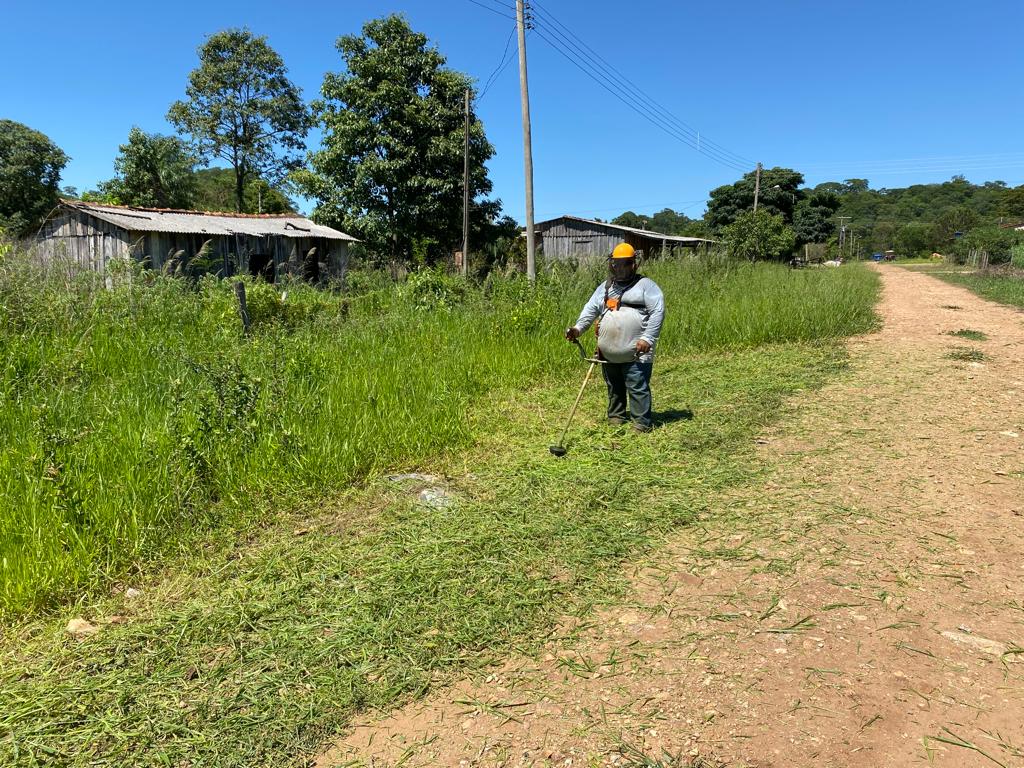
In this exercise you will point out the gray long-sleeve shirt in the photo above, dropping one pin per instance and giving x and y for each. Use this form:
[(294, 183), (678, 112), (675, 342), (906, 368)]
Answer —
[(643, 293)]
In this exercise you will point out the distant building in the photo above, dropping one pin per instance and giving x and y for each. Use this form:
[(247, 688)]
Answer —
[(93, 235), (571, 238)]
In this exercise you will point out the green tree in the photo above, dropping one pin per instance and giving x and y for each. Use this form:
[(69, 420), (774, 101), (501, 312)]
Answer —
[(669, 222), (998, 242), (390, 170), (813, 218), (761, 235), (30, 167), (960, 218), (780, 192), (153, 171), (215, 191), (243, 109), (1011, 203), (915, 239), (628, 219)]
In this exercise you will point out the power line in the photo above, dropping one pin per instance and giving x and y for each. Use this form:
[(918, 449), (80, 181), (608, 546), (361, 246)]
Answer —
[(629, 98), (572, 57), (493, 10), (627, 92), (502, 64), (702, 141), (997, 157)]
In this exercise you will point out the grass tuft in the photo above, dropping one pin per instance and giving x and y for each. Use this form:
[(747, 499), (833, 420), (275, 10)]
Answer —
[(967, 355), (967, 333)]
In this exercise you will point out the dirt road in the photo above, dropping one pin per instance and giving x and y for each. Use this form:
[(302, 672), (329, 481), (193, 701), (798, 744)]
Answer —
[(861, 605)]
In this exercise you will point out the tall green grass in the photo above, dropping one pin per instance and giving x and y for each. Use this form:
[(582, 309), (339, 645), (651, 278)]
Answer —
[(133, 416)]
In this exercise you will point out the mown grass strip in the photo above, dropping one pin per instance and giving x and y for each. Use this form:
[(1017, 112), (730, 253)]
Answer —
[(258, 654)]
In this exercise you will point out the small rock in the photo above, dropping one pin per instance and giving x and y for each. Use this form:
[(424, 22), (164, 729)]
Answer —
[(435, 498), (629, 618), (1008, 433), (982, 644), (466, 724), (80, 628), (131, 593)]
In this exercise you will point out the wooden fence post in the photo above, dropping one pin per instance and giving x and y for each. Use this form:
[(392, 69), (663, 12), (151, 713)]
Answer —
[(243, 310)]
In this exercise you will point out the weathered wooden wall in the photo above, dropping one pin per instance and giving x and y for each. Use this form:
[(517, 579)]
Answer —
[(83, 241), (577, 240)]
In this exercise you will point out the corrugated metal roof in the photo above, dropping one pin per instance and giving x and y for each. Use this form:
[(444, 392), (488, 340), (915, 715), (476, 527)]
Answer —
[(204, 223), (634, 230)]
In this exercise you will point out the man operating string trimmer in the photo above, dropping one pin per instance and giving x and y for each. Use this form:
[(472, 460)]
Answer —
[(629, 310)]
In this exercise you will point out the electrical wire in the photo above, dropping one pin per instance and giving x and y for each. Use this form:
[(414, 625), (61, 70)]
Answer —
[(626, 99), (493, 10), (502, 64), (704, 145), (625, 91)]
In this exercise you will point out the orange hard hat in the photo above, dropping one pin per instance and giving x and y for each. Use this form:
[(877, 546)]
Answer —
[(623, 251)]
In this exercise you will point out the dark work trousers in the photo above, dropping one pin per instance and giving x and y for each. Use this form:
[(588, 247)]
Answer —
[(632, 378)]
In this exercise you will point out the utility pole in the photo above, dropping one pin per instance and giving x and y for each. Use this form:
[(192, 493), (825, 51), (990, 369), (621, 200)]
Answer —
[(757, 186), (524, 95), (842, 232), (465, 195)]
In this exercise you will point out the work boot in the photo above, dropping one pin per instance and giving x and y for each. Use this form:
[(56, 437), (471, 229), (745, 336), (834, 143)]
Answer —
[(642, 427), (616, 421)]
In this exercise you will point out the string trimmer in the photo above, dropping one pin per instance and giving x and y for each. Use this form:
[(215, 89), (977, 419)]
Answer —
[(559, 448)]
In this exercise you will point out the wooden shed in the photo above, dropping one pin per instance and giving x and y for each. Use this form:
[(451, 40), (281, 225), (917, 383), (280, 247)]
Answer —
[(92, 235), (572, 238)]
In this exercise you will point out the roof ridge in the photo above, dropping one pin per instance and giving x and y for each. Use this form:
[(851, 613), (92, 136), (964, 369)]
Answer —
[(184, 211)]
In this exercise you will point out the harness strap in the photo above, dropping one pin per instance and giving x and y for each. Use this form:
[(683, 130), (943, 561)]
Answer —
[(608, 286)]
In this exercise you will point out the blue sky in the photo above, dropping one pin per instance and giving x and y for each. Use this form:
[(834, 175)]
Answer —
[(898, 92)]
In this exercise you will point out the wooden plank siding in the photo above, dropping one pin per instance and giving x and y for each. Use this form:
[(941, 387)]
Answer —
[(78, 240), (69, 239), (569, 239)]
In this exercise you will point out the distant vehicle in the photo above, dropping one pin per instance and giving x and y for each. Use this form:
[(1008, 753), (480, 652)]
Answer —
[(877, 257)]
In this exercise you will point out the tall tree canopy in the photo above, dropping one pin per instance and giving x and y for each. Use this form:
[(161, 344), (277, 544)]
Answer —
[(666, 221), (215, 191), (779, 193), (243, 109), (390, 169), (152, 171), (760, 235), (30, 167), (813, 218)]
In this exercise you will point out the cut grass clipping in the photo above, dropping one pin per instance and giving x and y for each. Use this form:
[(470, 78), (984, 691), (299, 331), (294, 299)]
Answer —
[(967, 355), (256, 652), (967, 333)]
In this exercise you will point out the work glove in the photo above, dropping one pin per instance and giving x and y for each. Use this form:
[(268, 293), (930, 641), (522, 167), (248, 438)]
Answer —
[(572, 333)]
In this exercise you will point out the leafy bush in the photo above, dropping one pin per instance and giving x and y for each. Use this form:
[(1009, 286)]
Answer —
[(434, 289)]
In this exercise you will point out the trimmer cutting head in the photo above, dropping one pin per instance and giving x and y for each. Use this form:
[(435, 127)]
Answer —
[(557, 450)]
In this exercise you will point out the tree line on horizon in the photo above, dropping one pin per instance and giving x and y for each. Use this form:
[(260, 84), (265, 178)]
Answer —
[(950, 217)]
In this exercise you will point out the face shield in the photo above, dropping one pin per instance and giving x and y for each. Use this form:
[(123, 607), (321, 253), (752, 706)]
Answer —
[(621, 270)]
